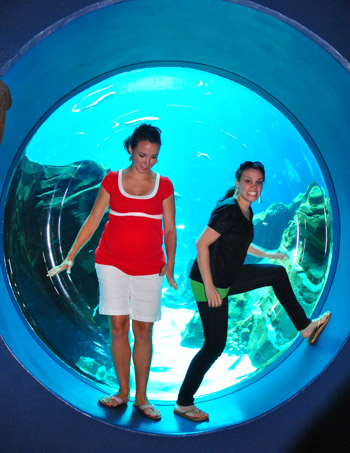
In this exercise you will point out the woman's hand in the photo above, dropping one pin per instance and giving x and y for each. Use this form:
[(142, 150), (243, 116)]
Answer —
[(271, 255), (213, 296), (168, 271), (65, 265), (278, 256)]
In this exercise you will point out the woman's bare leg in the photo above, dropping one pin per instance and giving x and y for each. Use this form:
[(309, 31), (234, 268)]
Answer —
[(121, 353), (142, 357)]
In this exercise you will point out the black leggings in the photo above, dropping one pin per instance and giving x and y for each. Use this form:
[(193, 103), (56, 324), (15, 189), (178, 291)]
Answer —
[(252, 276)]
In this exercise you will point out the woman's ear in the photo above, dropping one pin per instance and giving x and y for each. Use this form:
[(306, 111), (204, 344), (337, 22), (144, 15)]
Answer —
[(130, 152)]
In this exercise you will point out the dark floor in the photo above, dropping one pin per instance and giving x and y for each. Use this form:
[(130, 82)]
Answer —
[(331, 433)]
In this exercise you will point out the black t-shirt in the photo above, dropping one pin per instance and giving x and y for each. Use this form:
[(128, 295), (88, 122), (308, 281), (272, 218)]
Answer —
[(228, 252)]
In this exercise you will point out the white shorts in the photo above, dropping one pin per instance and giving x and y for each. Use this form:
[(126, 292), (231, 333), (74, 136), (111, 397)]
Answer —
[(122, 294)]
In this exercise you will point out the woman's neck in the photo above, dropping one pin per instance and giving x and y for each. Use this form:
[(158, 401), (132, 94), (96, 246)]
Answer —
[(132, 171), (244, 205)]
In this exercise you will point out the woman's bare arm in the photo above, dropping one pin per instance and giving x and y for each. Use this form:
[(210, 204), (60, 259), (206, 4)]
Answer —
[(86, 231), (205, 240), (169, 239)]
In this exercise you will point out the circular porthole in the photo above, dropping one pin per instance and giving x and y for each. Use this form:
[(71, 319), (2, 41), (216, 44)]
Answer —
[(210, 125), (265, 91)]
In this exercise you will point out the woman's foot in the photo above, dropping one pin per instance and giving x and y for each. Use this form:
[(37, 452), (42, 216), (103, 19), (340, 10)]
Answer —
[(148, 410), (191, 413), (315, 328), (113, 401)]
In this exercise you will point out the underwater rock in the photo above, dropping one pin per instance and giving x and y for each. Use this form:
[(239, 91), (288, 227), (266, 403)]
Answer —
[(91, 367), (193, 337), (111, 379), (311, 215), (94, 369), (270, 225), (309, 235), (240, 323), (262, 344), (54, 202), (48, 206)]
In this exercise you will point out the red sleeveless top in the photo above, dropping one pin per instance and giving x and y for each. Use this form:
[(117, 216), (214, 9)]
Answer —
[(132, 239)]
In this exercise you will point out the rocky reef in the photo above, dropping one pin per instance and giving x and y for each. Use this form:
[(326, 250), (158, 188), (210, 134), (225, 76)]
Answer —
[(46, 206)]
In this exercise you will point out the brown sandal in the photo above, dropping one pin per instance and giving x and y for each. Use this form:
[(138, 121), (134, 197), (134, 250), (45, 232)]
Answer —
[(320, 327), (203, 417)]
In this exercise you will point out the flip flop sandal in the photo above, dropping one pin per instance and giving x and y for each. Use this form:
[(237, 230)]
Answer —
[(319, 329), (144, 407), (106, 401), (187, 416)]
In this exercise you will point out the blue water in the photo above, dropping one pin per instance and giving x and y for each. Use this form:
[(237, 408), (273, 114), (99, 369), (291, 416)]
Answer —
[(209, 126)]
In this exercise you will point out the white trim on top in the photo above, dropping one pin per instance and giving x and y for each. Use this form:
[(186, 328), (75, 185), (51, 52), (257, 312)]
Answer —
[(137, 197), (136, 214)]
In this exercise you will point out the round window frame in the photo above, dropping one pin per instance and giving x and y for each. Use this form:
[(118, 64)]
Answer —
[(328, 160)]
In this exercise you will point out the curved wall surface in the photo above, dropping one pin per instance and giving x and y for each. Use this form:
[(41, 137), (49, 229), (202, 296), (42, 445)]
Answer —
[(289, 66)]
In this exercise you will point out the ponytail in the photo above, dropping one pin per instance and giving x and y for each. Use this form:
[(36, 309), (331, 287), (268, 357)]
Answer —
[(229, 194)]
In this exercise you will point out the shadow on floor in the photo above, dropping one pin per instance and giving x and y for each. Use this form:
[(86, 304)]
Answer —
[(331, 432)]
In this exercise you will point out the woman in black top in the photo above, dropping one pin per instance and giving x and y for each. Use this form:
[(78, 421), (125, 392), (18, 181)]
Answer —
[(219, 272)]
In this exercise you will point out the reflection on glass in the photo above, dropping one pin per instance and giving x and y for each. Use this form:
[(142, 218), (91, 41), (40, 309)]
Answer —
[(210, 125)]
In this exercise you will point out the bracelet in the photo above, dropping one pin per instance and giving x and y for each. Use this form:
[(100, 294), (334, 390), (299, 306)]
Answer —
[(69, 262)]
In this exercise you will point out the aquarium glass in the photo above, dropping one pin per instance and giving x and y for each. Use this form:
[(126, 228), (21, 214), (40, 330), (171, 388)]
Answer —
[(210, 124)]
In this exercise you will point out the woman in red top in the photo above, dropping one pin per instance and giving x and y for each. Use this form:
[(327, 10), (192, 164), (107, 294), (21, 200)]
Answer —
[(130, 260)]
